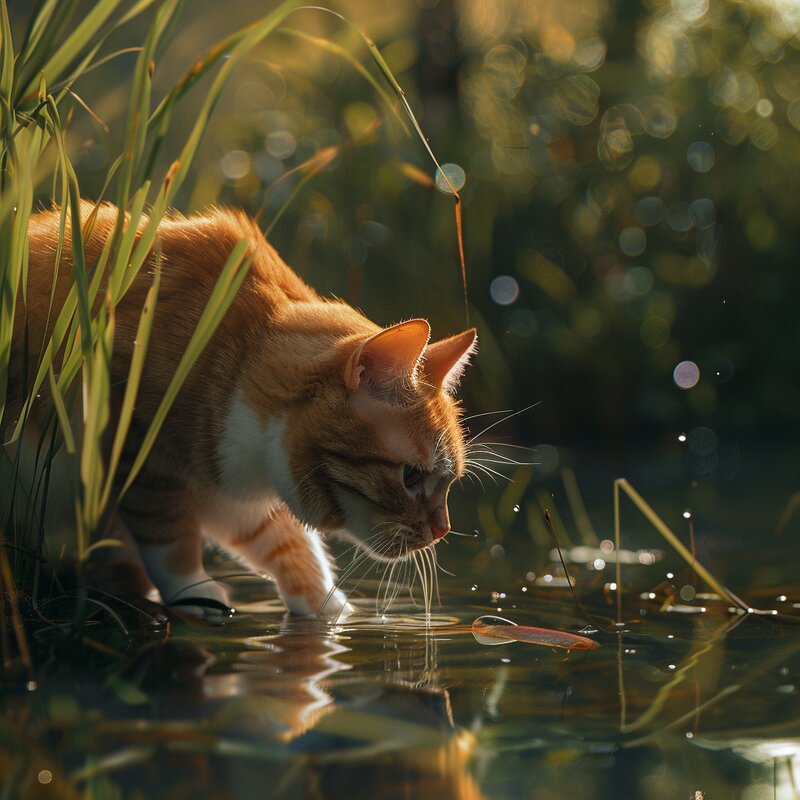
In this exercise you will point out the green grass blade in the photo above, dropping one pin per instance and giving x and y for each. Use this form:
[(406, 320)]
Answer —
[(234, 47), (622, 485), (79, 262), (47, 23), (119, 270), (139, 109), (74, 44), (135, 371), (344, 54), (230, 279), (7, 64), (61, 412), (97, 392)]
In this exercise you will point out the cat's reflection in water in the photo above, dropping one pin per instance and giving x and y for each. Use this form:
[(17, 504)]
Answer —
[(277, 686), (303, 693)]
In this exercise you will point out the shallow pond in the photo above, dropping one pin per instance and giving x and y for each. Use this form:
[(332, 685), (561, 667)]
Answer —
[(685, 699)]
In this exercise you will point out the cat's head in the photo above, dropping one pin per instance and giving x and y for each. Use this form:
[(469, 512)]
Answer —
[(387, 442)]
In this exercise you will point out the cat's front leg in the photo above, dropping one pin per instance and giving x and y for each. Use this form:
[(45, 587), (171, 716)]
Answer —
[(296, 558), (158, 512)]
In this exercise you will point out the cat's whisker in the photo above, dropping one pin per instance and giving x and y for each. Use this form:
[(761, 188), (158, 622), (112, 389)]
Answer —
[(485, 448), (425, 584), (442, 569), (346, 573), (483, 469), (435, 570), (484, 452), (381, 552), (504, 419), (503, 444), (490, 471), (487, 414), (490, 456), (473, 476), (386, 576)]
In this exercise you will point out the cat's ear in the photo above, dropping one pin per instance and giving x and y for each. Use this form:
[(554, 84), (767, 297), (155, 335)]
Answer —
[(388, 358), (446, 360)]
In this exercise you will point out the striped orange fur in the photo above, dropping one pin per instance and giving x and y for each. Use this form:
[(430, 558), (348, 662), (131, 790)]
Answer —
[(301, 416)]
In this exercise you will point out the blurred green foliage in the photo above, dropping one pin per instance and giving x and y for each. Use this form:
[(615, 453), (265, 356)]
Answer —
[(628, 198)]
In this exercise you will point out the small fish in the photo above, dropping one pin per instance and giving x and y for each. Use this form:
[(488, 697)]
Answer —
[(492, 633)]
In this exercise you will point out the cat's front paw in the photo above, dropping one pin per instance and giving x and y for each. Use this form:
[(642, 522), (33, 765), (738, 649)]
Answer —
[(336, 607), (332, 607)]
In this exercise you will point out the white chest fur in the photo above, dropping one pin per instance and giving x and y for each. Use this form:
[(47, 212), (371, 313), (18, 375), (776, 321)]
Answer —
[(252, 457)]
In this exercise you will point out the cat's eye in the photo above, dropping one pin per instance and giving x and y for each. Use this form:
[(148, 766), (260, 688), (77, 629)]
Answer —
[(412, 476)]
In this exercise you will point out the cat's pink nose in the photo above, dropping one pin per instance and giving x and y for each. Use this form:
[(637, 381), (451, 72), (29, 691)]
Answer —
[(439, 522), (439, 532)]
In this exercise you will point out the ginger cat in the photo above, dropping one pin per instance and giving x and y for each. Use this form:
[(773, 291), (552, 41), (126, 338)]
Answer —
[(301, 416)]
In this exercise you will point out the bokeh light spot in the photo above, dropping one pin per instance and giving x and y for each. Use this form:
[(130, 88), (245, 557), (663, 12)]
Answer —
[(649, 210), (590, 53), (281, 144), (686, 374), (235, 164), (764, 107), (504, 290), (700, 156), (659, 116), (453, 173), (632, 241), (764, 134), (703, 441), (690, 10), (678, 217), (702, 213), (645, 174), (577, 98)]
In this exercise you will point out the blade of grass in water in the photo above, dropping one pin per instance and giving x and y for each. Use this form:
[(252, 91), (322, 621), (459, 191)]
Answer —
[(622, 485), (507, 631)]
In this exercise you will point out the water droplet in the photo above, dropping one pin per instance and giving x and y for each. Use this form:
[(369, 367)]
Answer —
[(516, 508)]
